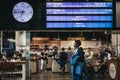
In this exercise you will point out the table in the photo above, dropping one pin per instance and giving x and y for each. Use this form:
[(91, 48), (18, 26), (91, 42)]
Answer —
[(9, 65)]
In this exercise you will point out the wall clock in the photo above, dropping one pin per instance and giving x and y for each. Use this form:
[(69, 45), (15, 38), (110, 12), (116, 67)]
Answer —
[(22, 12)]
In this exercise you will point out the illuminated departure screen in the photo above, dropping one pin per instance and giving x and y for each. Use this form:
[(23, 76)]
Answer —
[(79, 15)]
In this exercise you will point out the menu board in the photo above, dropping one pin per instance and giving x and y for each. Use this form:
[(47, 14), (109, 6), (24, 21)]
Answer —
[(79, 15)]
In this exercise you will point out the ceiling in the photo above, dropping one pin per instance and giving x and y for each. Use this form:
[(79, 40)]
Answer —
[(88, 35), (63, 35)]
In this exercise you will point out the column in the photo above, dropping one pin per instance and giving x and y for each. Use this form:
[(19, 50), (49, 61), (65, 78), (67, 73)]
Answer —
[(116, 42), (23, 42)]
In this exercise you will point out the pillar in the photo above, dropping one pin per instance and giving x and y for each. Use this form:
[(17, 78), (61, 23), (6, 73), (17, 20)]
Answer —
[(23, 42), (116, 42)]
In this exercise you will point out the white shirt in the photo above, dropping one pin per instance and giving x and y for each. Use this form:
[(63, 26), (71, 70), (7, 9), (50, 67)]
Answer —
[(109, 56), (76, 51)]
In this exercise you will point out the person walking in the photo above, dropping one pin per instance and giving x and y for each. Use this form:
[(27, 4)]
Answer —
[(78, 62)]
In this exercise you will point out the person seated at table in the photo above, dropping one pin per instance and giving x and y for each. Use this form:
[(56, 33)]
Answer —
[(9, 54), (88, 54), (2, 57), (107, 56), (16, 54)]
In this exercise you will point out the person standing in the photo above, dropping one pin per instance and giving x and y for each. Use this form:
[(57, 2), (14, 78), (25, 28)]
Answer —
[(69, 55), (45, 61), (42, 61), (102, 55), (63, 60), (55, 52), (77, 62)]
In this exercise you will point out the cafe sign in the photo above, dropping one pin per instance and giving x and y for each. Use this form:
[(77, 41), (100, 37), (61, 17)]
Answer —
[(112, 71)]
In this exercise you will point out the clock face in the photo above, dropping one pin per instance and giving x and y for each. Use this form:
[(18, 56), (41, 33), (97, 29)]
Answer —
[(22, 12)]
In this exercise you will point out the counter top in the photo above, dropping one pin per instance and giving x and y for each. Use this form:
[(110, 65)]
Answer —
[(20, 62)]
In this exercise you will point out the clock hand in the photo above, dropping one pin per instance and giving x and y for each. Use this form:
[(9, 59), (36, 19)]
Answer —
[(17, 11), (22, 13)]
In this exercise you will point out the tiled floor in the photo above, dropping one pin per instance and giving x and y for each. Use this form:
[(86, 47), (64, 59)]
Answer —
[(47, 76), (50, 76), (56, 76)]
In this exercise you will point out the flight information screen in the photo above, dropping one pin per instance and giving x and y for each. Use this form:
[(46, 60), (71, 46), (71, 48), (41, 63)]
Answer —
[(79, 15)]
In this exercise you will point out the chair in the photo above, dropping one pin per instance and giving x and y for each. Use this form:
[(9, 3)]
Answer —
[(90, 72), (102, 72)]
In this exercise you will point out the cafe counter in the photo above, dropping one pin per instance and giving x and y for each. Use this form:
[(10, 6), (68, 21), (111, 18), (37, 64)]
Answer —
[(56, 66)]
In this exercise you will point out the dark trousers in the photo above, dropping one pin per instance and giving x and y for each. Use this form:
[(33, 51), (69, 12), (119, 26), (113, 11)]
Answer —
[(80, 76), (76, 77), (62, 66)]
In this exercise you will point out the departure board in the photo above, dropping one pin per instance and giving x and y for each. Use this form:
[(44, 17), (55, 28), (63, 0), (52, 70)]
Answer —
[(79, 15)]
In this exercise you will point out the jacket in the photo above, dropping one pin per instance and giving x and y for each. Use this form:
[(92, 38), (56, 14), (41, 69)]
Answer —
[(78, 62)]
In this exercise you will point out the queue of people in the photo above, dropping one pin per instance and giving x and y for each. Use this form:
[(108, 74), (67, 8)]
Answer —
[(63, 56)]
